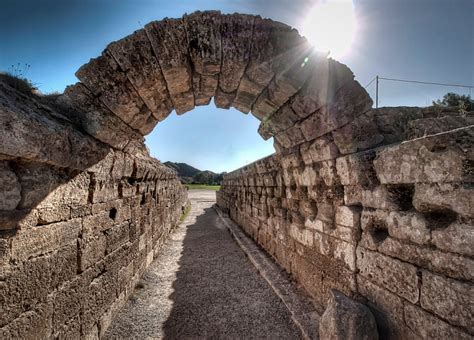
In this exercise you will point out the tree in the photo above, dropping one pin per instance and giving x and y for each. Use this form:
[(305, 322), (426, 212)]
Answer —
[(461, 101)]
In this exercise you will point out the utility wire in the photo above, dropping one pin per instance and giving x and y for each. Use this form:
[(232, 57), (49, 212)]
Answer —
[(370, 83), (423, 82)]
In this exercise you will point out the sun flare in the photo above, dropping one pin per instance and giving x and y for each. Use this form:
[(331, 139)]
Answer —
[(330, 26)]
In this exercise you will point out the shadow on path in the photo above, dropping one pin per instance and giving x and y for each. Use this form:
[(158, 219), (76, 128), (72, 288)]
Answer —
[(203, 286)]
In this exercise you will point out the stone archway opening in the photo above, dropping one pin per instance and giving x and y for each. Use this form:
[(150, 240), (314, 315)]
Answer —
[(252, 64)]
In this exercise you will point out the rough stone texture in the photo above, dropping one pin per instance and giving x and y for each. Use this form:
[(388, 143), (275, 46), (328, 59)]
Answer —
[(389, 224), (236, 39), (136, 58), (10, 195), (77, 230), (169, 41), (346, 319), (103, 77)]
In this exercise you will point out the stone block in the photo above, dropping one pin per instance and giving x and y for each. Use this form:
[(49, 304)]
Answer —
[(92, 249), (456, 238), (348, 216), (276, 39), (110, 84), (203, 31), (29, 283), (408, 226), (378, 197), (448, 298), (357, 169), (37, 241), (302, 235), (386, 307), (345, 318), (422, 127), (444, 197), (105, 191), (328, 172), (320, 149), (349, 101), (449, 264), (236, 39), (340, 232), (135, 56), (95, 118), (169, 42), (67, 301), (98, 296), (10, 195), (396, 276), (360, 134), (31, 131), (432, 159), (428, 326), (50, 214), (116, 236), (335, 249), (33, 324), (306, 176), (393, 122)]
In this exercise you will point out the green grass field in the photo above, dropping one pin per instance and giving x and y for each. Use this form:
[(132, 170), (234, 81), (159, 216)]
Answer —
[(202, 187)]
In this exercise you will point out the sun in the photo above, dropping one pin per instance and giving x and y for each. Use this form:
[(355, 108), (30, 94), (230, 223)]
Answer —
[(330, 26)]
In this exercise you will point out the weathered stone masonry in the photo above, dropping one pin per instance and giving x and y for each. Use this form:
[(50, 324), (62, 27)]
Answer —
[(344, 203), (80, 222), (390, 225)]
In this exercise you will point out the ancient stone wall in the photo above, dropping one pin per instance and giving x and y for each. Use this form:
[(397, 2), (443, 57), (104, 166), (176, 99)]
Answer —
[(79, 222), (387, 222)]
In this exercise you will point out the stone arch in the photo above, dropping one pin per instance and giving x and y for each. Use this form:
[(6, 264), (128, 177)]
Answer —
[(243, 61)]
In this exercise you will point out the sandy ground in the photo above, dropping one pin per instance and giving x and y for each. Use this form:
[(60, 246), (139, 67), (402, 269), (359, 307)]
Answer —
[(203, 286)]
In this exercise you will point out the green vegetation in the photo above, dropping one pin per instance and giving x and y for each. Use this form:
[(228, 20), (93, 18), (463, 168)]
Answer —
[(202, 187), (462, 102), (185, 213)]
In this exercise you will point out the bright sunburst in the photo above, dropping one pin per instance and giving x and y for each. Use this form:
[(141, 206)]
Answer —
[(330, 26)]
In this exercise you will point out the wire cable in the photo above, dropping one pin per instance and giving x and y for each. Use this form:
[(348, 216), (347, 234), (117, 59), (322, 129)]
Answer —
[(424, 82), (370, 83)]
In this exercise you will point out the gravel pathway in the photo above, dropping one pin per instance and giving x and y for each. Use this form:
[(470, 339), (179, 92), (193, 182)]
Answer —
[(203, 286)]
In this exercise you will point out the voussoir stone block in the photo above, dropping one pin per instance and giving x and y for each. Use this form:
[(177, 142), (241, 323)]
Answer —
[(236, 40), (95, 118), (106, 80), (136, 58), (169, 41), (270, 39), (205, 50)]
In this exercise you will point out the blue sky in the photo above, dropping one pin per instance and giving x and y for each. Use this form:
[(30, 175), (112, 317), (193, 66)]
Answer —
[(430, 40)]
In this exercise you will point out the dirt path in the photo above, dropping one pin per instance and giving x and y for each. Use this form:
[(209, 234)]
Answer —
[(203, 286)]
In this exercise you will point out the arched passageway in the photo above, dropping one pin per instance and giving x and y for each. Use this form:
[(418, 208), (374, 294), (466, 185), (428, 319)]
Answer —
[(375, 203)]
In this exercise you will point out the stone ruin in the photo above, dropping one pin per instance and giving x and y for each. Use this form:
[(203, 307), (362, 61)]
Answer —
[(377, 203)]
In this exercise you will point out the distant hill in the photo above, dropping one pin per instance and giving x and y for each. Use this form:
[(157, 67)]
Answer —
[(189, 174)]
